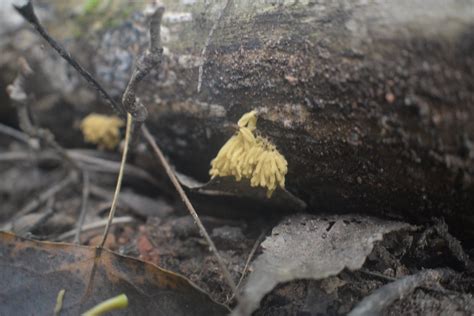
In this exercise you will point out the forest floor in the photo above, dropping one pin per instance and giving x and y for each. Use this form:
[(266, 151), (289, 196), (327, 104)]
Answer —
[(155, 227)]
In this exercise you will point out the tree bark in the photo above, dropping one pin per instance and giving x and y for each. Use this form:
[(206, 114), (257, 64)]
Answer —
[(371, 103)]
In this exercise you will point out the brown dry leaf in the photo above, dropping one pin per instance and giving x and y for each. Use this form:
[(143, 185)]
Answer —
[(32, 273), (307, 246)]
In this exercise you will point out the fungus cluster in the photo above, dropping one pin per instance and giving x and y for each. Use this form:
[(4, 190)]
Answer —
[(102, 130), (251, 157)]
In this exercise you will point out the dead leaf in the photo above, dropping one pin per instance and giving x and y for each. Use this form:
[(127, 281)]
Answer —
[(307, 246), (32, 274), (245, 196)]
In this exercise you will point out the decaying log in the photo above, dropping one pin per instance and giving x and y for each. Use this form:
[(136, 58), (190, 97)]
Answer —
[(372, 103)]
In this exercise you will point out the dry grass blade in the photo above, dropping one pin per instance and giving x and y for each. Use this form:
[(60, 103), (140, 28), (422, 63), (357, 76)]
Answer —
[(95, 225), (119, 179), (85, 198)]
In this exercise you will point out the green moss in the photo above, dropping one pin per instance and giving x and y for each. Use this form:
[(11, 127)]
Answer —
[(100, 15), (91, 6)]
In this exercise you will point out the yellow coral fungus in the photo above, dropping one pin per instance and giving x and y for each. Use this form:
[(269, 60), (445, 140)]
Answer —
[(102, 130), (251, 157)]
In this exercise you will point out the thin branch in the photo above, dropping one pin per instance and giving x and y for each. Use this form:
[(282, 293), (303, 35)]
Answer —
[(382, 298), (87, 162), (251, 254), (135, 109), (21, 99), (190, 208), (97, 164), (28, 13), (150, 59), (377, 275), (43, 197), (49, 211), (16, 134), (96, 225), (113, 208), (257, 243), (15, 156), (84, 202)]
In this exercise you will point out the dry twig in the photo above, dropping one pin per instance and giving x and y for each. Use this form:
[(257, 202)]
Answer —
[(379, 300), (20, 97), (42, 198), (7, 130), (47, 213), (190, 207), (119, 180), (257, 243), (149, 60), (87, 162), (28, 13), (84, 202), (95, 225)]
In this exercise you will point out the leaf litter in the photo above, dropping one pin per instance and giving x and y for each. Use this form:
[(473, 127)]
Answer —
[(307, 246), (343, 242), (33, 273)]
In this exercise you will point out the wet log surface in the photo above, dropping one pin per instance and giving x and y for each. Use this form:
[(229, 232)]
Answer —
[(372, 104)]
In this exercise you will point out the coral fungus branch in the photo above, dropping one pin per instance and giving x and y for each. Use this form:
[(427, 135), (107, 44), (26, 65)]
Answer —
[(252, 157)]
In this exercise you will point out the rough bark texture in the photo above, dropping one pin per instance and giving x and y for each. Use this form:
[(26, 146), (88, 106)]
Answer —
[(371, 103)]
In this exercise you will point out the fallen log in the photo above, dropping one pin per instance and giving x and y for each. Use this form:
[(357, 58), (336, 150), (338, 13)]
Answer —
[(371, 103)]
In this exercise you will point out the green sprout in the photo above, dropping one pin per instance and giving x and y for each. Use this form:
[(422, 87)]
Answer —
[(117, 302)]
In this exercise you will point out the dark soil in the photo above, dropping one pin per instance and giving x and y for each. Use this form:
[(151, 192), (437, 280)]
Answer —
[(167, 236)]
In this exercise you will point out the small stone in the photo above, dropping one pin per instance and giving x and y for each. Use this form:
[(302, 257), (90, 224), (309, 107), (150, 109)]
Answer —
[(228, 237), (390, 97)]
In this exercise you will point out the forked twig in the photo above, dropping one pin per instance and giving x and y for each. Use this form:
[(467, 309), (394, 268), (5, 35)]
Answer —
[(21, 99), (133, 106), (28, 13), (149, 60)]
